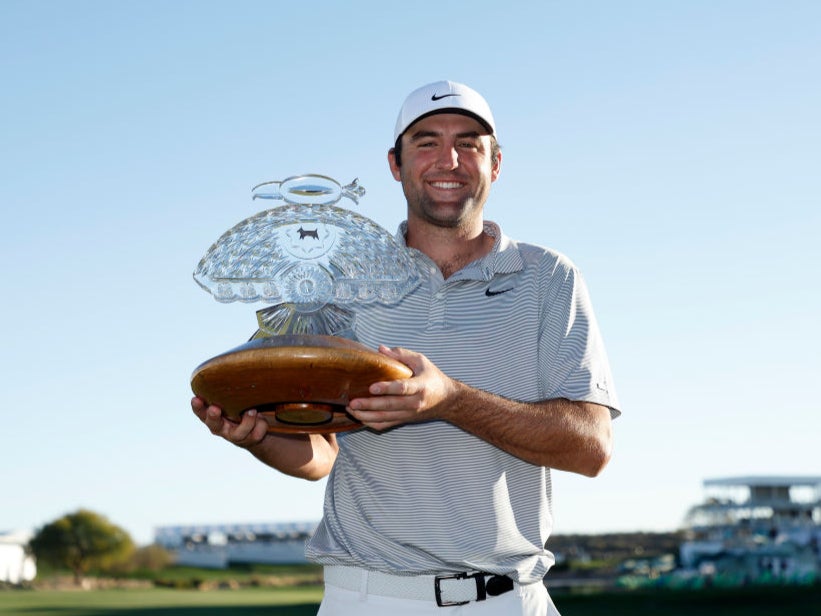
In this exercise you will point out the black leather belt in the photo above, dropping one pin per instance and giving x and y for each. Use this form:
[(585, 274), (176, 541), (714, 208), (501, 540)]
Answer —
[(487, 584)]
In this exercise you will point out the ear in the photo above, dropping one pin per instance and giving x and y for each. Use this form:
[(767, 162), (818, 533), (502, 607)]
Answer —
[(392, 162), (496, 167)]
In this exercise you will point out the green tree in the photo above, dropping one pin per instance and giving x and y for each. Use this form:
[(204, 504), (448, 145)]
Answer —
[(82, 541), (152, 557)]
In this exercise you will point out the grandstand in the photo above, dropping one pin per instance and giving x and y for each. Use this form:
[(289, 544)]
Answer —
[(219, 546)]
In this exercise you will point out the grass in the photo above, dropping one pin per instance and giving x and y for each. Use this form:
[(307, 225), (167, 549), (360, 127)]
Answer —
[(253, 575), (294, 601), (304, 601), (755, 601)]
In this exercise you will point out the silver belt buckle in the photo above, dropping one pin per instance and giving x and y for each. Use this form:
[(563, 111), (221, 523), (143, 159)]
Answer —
[(479, 577)]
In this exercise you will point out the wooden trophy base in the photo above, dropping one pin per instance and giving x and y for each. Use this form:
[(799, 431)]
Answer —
[(298, 383)]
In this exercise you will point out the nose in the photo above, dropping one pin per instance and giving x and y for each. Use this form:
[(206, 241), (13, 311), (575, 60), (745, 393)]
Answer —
[(448, 158)]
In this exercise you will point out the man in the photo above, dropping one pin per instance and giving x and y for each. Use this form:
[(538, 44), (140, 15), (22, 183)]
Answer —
[(445, 498)]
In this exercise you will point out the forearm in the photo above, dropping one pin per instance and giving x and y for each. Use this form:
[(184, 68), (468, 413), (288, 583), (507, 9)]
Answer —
[(307, 456), (557, 433), (299, 455)]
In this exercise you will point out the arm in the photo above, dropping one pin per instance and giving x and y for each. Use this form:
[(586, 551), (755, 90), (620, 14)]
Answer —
[(307, 456), (561, 434)]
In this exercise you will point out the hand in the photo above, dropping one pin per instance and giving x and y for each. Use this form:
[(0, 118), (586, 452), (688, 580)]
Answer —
[(251, 429), (421, 397)]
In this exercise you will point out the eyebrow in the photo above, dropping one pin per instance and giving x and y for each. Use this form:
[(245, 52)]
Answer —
[(424, 134)]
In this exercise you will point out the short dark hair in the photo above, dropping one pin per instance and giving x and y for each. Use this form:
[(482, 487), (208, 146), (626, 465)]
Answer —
[(495, 150)]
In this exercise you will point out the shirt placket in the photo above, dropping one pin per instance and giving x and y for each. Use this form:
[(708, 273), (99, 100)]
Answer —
[(438, 300)]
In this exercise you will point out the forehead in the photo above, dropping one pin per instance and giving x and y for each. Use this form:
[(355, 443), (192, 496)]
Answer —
[(447, 124)]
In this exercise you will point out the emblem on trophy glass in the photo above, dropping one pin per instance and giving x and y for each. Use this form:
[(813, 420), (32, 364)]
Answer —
[(311, 262)]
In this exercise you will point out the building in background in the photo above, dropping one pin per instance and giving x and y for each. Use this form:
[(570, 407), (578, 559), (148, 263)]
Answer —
[(755, 529), (747, 530), (16, 563), (221, 545)]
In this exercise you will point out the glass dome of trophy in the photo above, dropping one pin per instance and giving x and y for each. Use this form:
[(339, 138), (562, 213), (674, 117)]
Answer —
[(312, 263)]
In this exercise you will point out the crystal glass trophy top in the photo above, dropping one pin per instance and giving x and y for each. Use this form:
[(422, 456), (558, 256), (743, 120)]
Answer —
[(311, 263)]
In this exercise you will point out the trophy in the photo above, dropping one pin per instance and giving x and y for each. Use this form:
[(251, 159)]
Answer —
[(312, 263)]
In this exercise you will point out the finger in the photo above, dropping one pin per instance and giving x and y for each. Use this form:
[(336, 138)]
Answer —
[(372, 404), (392, 414), (208, 413), (400, 354), (213, 419), (377, 420), (198, 406), (260, 430), (403, 387), (242, 431), (395, 397), (389, 351), (379, 389)]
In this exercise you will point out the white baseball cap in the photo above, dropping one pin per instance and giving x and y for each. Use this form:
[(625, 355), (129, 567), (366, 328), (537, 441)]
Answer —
[(443, 97)]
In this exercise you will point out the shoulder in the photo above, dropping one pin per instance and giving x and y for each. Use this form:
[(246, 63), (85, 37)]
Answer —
[(546, 260), (550, 274)]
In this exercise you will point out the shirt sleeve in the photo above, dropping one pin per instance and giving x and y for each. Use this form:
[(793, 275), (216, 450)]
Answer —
[(573, 362)]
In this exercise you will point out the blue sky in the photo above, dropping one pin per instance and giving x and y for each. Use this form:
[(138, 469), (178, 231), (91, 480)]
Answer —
[(671, 149)]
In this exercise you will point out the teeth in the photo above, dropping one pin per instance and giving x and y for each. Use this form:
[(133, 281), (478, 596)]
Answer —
[(446, 184)]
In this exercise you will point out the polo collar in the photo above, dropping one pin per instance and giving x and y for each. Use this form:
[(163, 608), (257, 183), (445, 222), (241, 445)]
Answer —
[(503, 258)]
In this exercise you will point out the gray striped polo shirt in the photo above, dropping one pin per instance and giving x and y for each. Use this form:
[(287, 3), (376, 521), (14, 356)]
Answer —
[(429, 497)]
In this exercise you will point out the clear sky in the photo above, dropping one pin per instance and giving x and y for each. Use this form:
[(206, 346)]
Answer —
[(671, 149)]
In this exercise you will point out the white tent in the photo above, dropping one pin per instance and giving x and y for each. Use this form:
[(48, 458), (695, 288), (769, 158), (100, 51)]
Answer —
[(16, 565)]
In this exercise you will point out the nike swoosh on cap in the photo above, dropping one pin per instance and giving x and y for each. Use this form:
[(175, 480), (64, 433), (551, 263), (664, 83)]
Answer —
[(437, 97)]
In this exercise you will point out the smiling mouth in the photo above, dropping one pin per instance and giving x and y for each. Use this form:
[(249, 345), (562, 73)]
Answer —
[(447, 185)]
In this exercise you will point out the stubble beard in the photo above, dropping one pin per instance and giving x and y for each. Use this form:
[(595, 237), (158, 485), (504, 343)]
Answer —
[(457, 214), (452, 215)]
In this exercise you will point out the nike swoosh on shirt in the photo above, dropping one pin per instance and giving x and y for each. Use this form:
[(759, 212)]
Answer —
[(490, 293), (436, 97)]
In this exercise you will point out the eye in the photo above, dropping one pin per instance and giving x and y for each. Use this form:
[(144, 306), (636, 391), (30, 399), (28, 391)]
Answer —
[(470, 145)]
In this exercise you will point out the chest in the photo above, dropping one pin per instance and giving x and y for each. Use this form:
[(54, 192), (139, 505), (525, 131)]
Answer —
[(485, 333)]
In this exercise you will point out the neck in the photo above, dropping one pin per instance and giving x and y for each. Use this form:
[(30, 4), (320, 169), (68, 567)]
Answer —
[(451, 248)]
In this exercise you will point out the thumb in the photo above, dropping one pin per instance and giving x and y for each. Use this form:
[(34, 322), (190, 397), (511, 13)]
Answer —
[(411, 359)]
